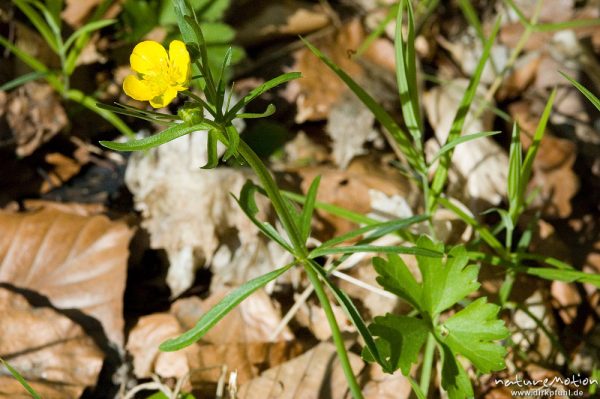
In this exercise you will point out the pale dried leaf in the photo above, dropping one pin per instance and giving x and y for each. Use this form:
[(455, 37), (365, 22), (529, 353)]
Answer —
[(481, 165), (47, 348), (386, 386), (35, 115), (77, 262), (190, 213), (143, 342), (315, 374)]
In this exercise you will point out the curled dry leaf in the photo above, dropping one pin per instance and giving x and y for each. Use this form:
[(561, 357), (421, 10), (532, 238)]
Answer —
[(77, 262), (51, 352), (315, 374), (143, 343), (35, 115), (191, 214)]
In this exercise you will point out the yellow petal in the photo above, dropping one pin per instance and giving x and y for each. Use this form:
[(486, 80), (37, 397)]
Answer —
[(180, 62), (147, 57), (164, 99), (137, 89)]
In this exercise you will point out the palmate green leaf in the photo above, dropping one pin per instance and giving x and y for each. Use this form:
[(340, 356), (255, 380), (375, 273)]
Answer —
[(220, 310), (445, 283), (471, 333), (20, 378), (157, 139), (395, 277), (455, 379), (399, 340)]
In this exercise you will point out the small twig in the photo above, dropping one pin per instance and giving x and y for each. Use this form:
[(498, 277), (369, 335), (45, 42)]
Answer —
[(362, 284), (221, 383)]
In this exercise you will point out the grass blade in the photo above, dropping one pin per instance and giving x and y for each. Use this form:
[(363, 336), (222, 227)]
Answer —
[(588, 94), (353, 314), (21, 380), (22, 80), (441, 173), (220, 310), (460, 140), (376, 249), (403, 140), (406, 75)]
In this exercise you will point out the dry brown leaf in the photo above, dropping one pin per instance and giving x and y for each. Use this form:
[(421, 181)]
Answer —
[(367, 186), (320, 88), (35, 115), (76, 12), (317, 374), (144, 340), (51, 352), (386, 386), (268, 20), (63, 169), (77, 262)]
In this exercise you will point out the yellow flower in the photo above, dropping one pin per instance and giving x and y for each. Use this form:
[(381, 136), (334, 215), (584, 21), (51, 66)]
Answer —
[(159, 76)]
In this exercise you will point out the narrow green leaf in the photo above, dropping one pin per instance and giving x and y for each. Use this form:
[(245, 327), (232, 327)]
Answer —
[(155, 140), (22, 80), (348, 306), (87, 29), (378, 229), (248, 206), (403, 140), (374, 248), (211, 150), (39, 23), (416, 388), (268, 112), (515, 163), (588, 94), (23, 56), (308, 209), (441, 173), (537, 140), (573, 24), (220, 310), (233, 142), (21, 380), (406, 74), (460, 140), (268, 85)]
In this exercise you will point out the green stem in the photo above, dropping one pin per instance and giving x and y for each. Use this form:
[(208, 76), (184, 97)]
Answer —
[(90, 103), (281, 208), (301, 253), (335, 332), (427, 364)]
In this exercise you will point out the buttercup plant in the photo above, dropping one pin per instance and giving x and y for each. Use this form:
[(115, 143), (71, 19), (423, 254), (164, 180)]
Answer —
[(449, 275)]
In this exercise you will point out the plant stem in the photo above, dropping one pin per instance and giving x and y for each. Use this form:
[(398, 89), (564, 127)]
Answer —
[(284, 213), (335, 332), (427, 364)]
